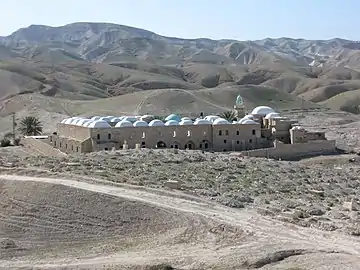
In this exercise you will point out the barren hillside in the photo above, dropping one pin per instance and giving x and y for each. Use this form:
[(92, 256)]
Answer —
[(55, 69)]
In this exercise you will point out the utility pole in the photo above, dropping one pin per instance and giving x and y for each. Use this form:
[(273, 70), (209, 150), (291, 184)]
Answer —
[(302, 107), (13, 125)]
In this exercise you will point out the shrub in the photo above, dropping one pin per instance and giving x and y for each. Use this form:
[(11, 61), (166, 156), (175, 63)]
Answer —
[(5, 142), (17, 141)]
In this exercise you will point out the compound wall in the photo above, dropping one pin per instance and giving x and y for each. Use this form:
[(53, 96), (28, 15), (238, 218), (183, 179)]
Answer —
[(293, 151)]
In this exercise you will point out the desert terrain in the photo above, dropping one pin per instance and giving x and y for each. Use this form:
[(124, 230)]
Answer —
[(113, 210)]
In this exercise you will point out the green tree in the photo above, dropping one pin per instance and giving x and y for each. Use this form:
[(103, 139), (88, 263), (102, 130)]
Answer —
[(159, 117), (30, 126), (228, 115)]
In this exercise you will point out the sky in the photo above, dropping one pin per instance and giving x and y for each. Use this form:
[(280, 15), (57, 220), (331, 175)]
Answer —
[(222, 19)]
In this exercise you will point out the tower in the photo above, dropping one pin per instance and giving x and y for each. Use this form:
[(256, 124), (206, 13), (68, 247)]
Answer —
[(239, 107)]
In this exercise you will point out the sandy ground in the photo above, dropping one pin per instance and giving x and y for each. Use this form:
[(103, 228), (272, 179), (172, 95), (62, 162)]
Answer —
[(219, 238)]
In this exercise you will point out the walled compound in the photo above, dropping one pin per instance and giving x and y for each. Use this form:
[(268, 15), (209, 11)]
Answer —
[(262, 129)]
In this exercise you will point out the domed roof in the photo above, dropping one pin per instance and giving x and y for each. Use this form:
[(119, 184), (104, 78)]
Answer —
[(140, 123), (147, 118), (69, 121), (124, 123), (110, 116), (81, 122), (64, 120), (105, 118), (131, 119), (249, 116), (72, 120), (115, 119), (202, 122), (171, 123), (86, 124), (186, 118), (175, 117), (185, 122), (76, 121), (99, 124), (220, 121), (272, 115), (94, 118), (249, 122), (156, 123), (262, 110), (211, 118)]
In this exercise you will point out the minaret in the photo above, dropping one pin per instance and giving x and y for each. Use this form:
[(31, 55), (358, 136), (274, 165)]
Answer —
[(239, 107)]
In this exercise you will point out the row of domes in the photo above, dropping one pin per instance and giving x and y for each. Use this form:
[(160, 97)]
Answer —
[(170, 120), (78, 121)]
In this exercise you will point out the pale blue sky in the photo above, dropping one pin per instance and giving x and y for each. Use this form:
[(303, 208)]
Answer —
[(232, 19)]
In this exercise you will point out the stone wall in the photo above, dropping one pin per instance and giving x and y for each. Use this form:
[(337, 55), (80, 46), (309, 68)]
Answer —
[(43, 147), (293, 151)]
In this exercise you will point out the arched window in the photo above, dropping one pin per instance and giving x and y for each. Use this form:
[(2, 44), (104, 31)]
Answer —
[(189, 133), (174, 134)]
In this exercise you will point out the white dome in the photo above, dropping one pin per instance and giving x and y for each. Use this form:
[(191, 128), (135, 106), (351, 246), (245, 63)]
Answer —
[(88, 123), (110, 116), (76, 121), (211, 118), (185, 122), (249, 116), (140, 123), (249, 122), (272, 115), (156, 123), (124, 123), (94, 118), (99, 124), (242, 120), (115, 119), (202, 122), (105, 118), (131, 119), (63, 121), (262, 110), (220, 121), (186, 118), (171, 123), (81, 122), (69, 121)]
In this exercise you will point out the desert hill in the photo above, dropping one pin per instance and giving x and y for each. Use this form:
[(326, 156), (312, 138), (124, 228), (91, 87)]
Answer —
[(88, 68)]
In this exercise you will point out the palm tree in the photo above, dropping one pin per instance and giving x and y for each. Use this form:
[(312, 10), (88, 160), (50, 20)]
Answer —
[(159, 117), (30, 126), (228, 115)]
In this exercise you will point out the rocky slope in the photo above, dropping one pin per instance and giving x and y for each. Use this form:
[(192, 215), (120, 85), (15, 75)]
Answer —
[(100, 61), (104, 42)]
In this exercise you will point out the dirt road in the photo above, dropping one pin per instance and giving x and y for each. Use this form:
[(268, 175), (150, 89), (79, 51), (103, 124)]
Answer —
[(264, 237)]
